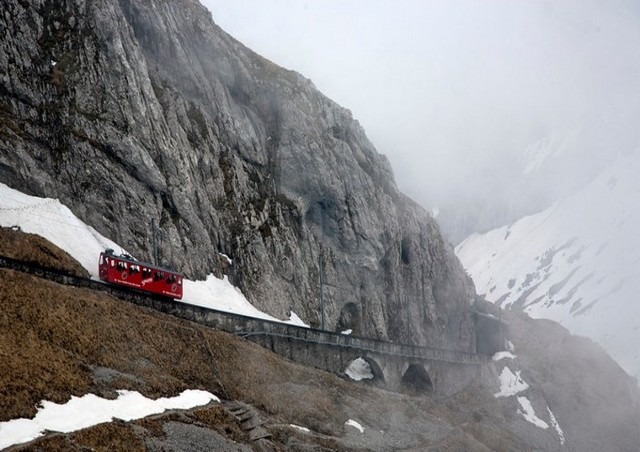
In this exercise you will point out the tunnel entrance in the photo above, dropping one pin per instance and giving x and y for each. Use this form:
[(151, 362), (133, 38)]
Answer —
[(416, 379), (349, 320)]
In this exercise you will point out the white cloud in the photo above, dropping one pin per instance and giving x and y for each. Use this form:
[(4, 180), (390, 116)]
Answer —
[(455, 92)]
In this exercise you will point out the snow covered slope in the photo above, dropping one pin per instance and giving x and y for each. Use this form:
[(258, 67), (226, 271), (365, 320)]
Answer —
[(55, 222), (577, 262)]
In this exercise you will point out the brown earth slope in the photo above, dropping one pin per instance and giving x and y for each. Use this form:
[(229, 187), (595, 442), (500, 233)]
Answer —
[(32, 248)]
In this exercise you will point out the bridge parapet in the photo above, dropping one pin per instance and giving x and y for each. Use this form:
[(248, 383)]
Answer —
[(445, 370), (250, 326)]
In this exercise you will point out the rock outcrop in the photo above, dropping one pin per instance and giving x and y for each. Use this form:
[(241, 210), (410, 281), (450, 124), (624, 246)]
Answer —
[(131, 111)]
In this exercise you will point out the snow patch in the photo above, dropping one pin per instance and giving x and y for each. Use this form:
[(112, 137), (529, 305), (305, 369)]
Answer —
[(502, 355), (295, 320), (89, 410), (302, 429), (229, 261), (220, 294), (556, 426), (354, 424), (358, 370), (510, 383), (529, 413)]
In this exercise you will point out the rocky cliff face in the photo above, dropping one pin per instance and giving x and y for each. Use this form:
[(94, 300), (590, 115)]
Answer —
[(137, 110)]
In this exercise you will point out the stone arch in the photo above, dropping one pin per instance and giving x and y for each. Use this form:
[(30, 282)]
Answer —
[(416, 378), (364, 368), (378, 375)]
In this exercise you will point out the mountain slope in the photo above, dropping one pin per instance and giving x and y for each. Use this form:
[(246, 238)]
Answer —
[(576, 262), (140, 112), (57, 341)]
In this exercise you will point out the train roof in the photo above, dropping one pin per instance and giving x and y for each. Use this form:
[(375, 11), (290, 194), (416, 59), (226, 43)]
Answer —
[(132, 260)]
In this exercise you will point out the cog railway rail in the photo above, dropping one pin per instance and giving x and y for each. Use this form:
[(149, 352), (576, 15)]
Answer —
[(270, 334)]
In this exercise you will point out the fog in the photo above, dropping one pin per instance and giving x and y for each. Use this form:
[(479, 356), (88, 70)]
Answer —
[(487, 110)]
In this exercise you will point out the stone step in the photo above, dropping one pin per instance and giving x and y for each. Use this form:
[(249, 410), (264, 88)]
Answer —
[(248, 417), (259, 433), (238, 411), (252, 423), (245, 416), (233, 405)]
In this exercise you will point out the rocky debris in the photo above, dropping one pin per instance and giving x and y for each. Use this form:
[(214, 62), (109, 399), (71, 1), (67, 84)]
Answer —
[(135, 111), (180, 436)]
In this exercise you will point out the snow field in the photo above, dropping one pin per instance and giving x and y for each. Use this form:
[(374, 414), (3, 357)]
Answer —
[(89, 410), (576, 263)]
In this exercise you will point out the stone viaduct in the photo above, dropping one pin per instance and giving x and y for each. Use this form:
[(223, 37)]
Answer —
[(394, 366)]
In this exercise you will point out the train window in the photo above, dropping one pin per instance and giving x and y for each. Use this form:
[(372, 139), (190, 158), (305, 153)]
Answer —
[(146, 272)]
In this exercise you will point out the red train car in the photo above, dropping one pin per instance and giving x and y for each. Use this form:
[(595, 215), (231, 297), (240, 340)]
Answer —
[(126, 271)]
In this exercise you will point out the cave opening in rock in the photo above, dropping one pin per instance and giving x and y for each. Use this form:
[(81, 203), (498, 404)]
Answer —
[(405, 251), (350, 319)]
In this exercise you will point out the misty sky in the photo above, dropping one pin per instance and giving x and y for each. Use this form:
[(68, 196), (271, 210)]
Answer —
[(462, 94)]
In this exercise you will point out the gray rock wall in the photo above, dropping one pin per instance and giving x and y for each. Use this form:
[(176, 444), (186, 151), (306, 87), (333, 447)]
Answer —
[(137, 110)]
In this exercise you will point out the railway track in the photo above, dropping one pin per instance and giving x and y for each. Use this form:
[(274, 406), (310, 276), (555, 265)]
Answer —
[(243, 326), (69, 279)]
